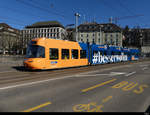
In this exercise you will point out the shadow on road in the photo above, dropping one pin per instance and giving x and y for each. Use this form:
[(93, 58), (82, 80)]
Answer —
[(23, 69), (20, 68)]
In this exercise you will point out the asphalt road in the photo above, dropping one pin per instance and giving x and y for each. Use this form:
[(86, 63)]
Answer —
[(104, 88)]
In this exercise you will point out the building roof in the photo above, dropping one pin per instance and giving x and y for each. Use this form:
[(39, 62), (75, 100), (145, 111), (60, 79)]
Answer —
[(45, 24), (106, 27), (6, 27), (110, 27), (87, 24)]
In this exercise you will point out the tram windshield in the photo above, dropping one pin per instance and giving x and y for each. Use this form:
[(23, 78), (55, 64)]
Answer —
[(35, 51)]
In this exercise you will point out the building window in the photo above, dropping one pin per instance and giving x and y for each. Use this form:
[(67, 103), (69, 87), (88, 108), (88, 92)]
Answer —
[(117, 35), (93, 41), (99, 40), (87, 35), (53, 54), (74, 54), (105, 40), (117, 41), (37, 31), (57, 29), (65, 53), (58, 35), (87, 40), (111, 41), (111, 35)]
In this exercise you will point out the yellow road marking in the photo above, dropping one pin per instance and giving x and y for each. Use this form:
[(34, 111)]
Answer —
[(107, 99), (141, 89), (121, 84), (91, 107), (104, 83), (130, 86), (37, 107)]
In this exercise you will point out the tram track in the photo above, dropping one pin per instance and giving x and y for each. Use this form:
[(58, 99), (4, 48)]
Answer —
[(15, 77)]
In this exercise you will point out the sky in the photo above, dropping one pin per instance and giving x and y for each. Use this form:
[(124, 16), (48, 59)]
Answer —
[(20, 13)]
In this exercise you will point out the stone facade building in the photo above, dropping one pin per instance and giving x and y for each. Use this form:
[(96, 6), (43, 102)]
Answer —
[(108, 34), (10, 39), (48, 29), (112, 34)]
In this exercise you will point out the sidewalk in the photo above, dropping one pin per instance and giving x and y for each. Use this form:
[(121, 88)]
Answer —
[(11, 60)]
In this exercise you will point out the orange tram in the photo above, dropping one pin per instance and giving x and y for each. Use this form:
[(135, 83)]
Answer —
[(44, 53)]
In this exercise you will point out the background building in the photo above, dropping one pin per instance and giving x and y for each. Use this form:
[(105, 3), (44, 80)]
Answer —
[(90, 32), (137, 38), (108, 34), (113, 34), (145, 41), (10, 39), (48, 29), (132, 37)]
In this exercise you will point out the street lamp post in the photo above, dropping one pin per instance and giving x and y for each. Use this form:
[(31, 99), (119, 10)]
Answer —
[(141, 40), (141, 43), (77, 15)]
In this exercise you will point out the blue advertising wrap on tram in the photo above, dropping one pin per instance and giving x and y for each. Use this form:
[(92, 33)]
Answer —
[(101, 54)]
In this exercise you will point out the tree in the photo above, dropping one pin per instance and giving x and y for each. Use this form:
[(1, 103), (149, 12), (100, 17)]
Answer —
[(126, 33)]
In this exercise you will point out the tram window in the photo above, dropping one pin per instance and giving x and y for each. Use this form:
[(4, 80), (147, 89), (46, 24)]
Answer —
[(112, 53), (35, 51), (65, 54), (137, 54), (75, 54), (82, 54), (53, 54), (119, 53)]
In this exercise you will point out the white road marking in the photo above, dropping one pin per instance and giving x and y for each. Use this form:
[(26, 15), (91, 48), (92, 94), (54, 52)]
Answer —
[(86, 75), (144, 68), (111, 74), (77, 75), (37, 82), (143, 65), (105, 69), (117, 73), (33, 83), (130, 74)]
